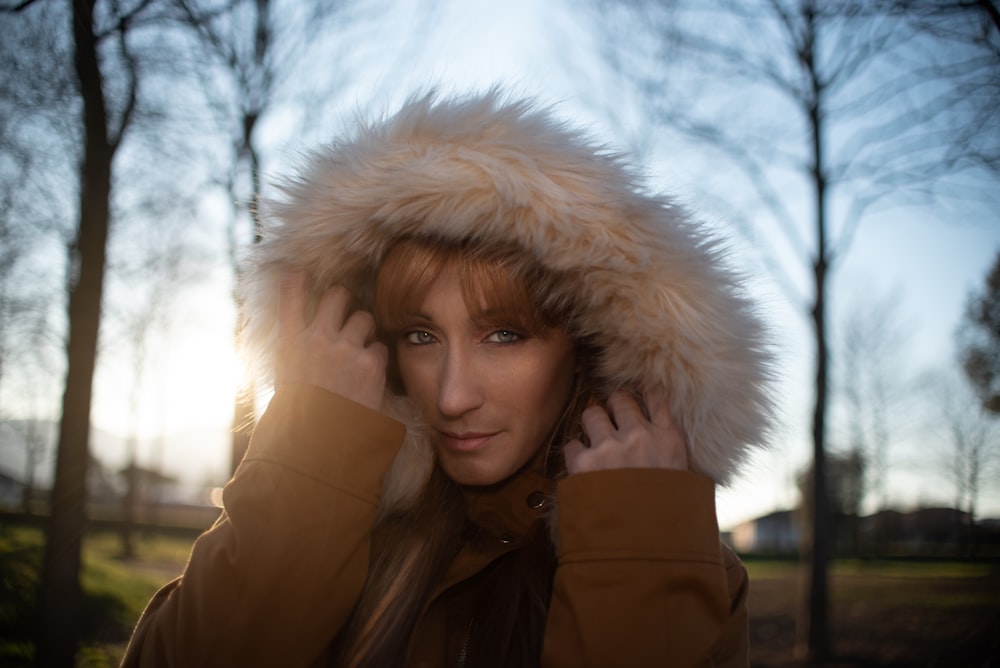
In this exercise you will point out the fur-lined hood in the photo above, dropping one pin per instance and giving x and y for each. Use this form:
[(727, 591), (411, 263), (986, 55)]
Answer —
[(650, 283)]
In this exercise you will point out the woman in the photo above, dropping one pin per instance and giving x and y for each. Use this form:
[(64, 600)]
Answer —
[(506, 382)]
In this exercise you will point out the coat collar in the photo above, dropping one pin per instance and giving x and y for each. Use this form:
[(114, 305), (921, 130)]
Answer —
[(508, 512), (502, 518)]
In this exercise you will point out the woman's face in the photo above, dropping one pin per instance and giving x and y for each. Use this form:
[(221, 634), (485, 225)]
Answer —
[(490, 393)]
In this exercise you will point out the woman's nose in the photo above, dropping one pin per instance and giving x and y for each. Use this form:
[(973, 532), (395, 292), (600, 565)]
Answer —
[(461, 388)]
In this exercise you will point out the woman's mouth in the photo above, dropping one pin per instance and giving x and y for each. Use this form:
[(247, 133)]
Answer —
[(465, 441)]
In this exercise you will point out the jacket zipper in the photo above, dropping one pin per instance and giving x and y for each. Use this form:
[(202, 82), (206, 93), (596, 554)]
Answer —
[(463, 654)]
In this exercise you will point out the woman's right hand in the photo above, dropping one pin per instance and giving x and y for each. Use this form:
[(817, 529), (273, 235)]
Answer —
[(333, 351)]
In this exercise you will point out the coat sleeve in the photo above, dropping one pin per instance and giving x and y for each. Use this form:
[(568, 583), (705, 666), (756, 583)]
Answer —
[(277, 576), (642, 578)]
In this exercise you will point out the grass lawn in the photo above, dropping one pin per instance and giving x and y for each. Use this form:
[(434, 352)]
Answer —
[(115, 590), (883, 613)]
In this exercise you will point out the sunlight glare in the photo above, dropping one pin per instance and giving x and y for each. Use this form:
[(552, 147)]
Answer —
[(202, 383)]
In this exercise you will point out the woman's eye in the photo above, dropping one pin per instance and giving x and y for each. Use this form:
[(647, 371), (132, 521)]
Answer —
[(504, 336), (419, 337)]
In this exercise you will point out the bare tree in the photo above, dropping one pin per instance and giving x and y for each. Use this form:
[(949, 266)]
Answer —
[(156, 263), (827, 112), (31, 210), (846, 482), (41, 84), (968, 440), (96, 53), (257, 50), (30, 227), (34, 386), (23, 303), (971, 27), (876, 392), (874, 384), (60, 586), (978, 340), (12, 240), (36, 441)]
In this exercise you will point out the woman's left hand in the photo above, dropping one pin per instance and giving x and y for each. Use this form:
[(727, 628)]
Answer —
[(621, 436)]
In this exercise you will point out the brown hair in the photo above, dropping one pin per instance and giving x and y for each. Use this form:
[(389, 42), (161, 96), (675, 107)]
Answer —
[(411, 549), (497, 283)]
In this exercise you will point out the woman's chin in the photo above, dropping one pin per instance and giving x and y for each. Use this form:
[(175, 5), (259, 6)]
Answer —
[(468, 472)]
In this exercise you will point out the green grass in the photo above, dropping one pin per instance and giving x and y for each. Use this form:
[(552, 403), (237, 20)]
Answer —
[(115, 590), (770, 568), (915, 569), (892, 586), (883, 568)]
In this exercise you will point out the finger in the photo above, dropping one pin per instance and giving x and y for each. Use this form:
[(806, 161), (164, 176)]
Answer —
[(381, 352), (658, 408), (674, 442), (597, 424), (292, 304), (571, 454), (359, 328), (332, 307), (624, 409)]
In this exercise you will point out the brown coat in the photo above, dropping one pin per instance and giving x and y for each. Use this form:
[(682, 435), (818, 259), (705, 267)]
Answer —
[(641, 578)]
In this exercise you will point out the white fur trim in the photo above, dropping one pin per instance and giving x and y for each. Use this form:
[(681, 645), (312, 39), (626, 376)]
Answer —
[(655, 291)]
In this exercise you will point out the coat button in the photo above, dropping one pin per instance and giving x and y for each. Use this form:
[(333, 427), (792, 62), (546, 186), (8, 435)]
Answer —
[(506, 539), (536, 500)]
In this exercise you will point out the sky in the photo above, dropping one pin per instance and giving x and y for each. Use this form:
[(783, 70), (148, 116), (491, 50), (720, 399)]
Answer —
[(927, 264)]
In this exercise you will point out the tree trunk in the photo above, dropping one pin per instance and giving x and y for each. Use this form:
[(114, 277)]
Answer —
[(129, 501), (32, 449), (60, 594), (814, 635)]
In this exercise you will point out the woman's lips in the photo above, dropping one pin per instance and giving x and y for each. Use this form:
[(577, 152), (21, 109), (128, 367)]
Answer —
[(465, 442)]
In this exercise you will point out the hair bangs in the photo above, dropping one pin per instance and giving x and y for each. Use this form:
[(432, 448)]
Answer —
[(495, 286)]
